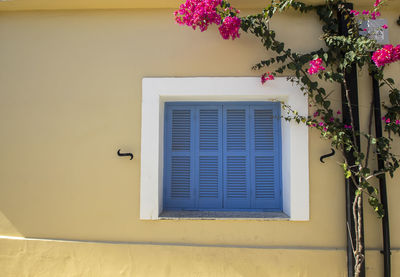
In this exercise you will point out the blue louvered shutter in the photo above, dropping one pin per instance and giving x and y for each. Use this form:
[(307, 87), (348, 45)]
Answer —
[(209, 157), (236, 156), (179, 157), (222, 156), (265, 141)]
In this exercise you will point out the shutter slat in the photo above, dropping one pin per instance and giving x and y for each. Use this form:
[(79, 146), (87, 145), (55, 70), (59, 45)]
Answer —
[(236, 177), (264, 178), (209, 177), (208, 133), (264, 130), (236, 129), (181, 130)]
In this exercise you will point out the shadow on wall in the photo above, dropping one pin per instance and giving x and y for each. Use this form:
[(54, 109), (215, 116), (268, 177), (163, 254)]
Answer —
[(7, 228)]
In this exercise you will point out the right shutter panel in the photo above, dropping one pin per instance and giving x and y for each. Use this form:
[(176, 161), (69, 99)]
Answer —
[(236, 156), (179, 160), (265, 156)]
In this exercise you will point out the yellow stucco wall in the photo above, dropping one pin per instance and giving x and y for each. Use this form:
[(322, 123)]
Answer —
[(49, 259), (22, 5), (70, 96)]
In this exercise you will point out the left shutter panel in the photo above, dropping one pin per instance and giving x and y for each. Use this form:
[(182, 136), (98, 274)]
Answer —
[(179, 159)]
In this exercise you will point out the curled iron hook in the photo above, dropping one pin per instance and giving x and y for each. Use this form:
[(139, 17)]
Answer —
[(124, 154), (327, 155)]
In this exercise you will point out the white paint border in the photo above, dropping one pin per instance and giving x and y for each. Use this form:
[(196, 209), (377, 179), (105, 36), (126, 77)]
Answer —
[(156, 91)]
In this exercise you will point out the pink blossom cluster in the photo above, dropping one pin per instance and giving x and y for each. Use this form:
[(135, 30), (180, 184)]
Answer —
[(349, 127), (387, 120), (266, 76), (323, 125), (320, 124), (388, 54), (354, 12), (373, 15), (198, 13), (315, 66), (377, 2), (230, 27)]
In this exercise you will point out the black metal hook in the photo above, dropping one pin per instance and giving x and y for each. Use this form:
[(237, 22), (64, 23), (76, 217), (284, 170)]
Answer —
[(327, 155), (124, 154)]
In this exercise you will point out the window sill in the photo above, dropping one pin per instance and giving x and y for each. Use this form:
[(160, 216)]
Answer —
[(221, 215)]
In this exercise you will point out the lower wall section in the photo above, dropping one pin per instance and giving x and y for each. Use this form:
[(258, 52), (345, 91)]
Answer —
[(42, 258)]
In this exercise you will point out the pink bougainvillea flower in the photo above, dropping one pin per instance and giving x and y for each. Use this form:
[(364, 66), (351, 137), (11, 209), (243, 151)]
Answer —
[(387, 120), (374, 15), (364, 12), (349, 127), (198, 13), (266, 76), (397, 122), (377, 3), (315, 66), (316, 114), (354, 12), (230, 27), (384, 26), (339, 112), (387, 54), (321, 124)]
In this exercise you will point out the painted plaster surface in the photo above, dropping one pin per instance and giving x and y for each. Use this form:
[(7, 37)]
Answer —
[(35, 258), (15, 5), (70, 97), (50, 258)]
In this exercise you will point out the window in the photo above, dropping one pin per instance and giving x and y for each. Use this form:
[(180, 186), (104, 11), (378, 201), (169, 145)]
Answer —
[(222, 156), (156, 92)]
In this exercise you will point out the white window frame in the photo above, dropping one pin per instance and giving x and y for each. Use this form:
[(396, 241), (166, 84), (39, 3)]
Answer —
[(157, 91)]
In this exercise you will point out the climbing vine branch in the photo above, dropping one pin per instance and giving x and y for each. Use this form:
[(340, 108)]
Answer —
[(312, 71)]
